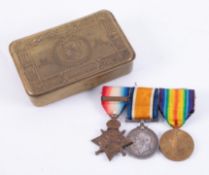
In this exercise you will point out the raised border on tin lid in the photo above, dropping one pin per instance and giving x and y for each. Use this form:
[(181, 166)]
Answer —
[(38, 81)]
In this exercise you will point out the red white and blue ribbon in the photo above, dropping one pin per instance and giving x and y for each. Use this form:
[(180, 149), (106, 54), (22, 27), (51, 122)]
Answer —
[(114, 107)]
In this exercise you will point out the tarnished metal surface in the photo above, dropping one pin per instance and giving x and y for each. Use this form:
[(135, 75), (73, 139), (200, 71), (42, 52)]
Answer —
[(145, 142), (80, 54), (112, 141), (176, 144)]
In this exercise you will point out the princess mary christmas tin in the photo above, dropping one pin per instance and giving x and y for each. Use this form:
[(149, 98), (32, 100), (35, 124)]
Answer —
[(71, 58)]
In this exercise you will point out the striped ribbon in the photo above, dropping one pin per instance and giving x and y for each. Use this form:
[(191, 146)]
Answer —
[(114, 107), (176, 105), (143, 104)]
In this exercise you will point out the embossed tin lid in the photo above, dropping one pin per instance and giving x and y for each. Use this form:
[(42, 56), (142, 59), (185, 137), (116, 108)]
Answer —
[(69, 53)]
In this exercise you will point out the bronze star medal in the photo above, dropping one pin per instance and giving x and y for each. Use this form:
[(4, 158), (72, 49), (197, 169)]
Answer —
[(112, 141)]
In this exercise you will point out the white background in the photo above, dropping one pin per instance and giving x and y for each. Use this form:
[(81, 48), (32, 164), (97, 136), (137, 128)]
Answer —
[(171, 40)]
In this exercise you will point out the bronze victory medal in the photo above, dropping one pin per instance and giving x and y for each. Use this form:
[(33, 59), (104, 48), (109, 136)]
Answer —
[(145, 142), (176, 144)]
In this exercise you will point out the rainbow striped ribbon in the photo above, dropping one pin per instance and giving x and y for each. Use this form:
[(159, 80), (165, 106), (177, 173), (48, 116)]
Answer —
[(143, 104), (114, 107), (176, 105)]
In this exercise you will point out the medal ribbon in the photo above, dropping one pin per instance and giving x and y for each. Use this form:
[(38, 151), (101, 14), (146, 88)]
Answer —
[(143, 104), (113, 101), (176, 105)]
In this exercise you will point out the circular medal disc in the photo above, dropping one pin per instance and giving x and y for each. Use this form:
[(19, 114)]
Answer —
[(145, 142), (176, 144)]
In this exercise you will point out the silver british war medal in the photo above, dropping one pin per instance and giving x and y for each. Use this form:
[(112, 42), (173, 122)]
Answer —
[(143, 106)]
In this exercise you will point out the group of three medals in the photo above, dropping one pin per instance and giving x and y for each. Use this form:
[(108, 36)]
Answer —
[(144, 104)]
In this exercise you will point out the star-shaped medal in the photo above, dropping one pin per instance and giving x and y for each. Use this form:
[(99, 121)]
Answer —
[(112, 141)]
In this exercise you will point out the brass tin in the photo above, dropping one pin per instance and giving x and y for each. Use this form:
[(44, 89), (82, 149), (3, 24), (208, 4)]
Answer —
[(71, 58)]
